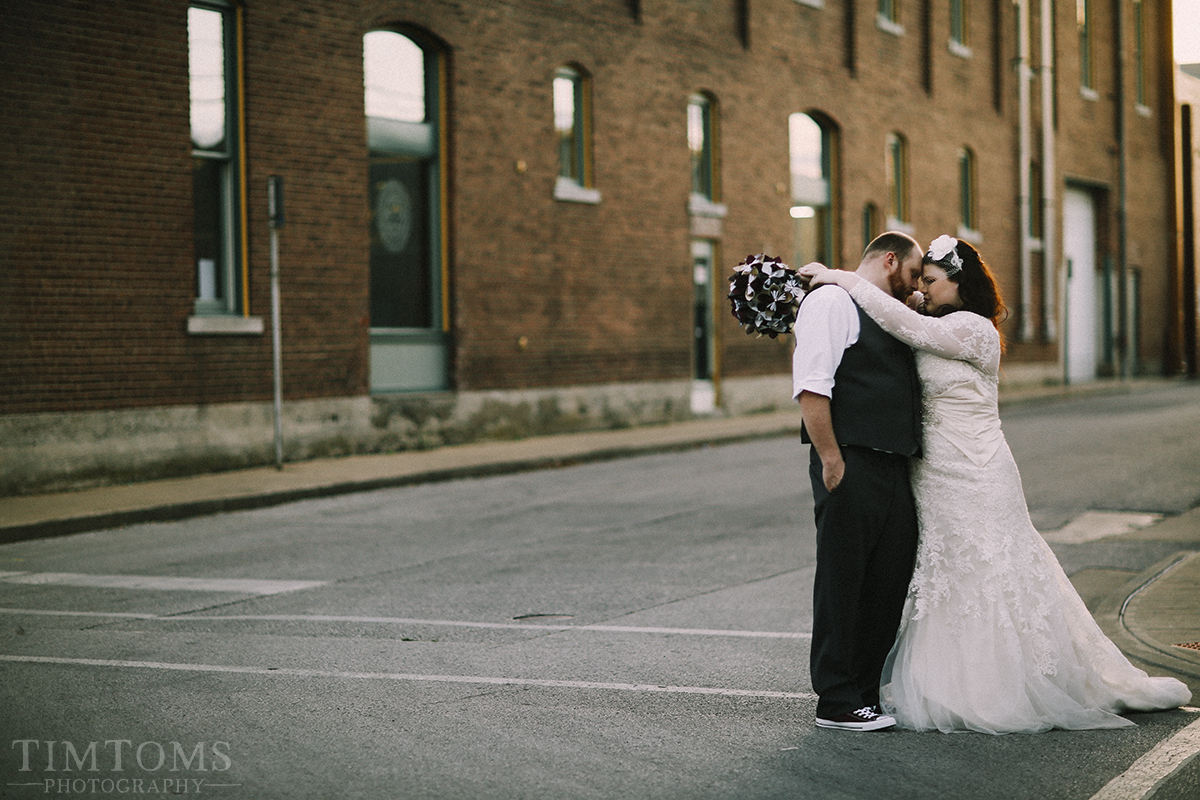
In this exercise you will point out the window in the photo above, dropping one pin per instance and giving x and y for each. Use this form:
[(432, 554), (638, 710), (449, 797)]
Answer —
[(572, 126), (1083, 20), (1036, 201), (870, 224), (896, 161), (1139, 52), (403, 88), (811, 144), (700, 134), (887, 17), (958, 21), (960, 28), (217, 178), (968, 219)]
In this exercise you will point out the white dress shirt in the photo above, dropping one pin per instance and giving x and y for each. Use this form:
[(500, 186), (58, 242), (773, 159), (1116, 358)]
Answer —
[(826, 324)]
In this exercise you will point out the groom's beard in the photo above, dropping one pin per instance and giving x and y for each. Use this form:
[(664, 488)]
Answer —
[(899, 288)]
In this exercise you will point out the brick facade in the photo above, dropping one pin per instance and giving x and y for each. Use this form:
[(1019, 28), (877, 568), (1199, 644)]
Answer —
[(97, 268)]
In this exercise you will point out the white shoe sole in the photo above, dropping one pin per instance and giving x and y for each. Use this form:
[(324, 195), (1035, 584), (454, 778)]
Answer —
[(877, 724)]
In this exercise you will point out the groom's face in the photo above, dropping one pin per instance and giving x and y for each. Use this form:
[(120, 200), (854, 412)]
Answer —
[(904, 275)]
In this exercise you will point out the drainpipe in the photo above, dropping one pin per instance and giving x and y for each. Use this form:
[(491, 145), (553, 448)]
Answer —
[(1049, 209), (1024, 146), (1122, 315)]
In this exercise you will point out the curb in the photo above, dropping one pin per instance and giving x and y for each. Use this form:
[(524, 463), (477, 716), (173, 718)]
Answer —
[(395, 470), (1122, 621)]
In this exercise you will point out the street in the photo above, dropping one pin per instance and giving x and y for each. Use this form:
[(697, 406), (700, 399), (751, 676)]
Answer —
[(634, 628)]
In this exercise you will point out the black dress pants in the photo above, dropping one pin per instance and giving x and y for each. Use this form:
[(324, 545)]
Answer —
[(866, 548)]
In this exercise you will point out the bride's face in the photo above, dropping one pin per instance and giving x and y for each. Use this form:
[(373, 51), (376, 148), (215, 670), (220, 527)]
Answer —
[(941, 293)]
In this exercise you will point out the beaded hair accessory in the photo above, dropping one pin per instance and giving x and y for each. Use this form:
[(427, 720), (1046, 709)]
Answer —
[(943, 252)]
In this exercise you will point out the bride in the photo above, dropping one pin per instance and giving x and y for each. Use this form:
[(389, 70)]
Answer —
[(993, 638)]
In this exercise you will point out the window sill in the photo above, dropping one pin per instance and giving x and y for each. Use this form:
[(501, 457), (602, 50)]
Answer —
[(959, 49), (1088, 94), (225, 325), (1143, 111), (812, 3), (570, 191), (894, 224), (970, 235), (701, 206), (888, 26)]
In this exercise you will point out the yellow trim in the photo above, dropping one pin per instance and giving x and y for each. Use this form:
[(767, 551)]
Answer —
[(243, 227)]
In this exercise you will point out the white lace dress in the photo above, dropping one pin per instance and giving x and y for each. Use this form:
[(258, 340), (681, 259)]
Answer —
[(994, 637)]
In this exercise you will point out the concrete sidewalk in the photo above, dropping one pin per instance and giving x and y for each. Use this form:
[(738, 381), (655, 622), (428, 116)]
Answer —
[(61, 513), (1148, 618), (1155, 617)]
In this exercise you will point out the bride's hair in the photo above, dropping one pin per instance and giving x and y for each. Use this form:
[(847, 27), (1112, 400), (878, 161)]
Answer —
[(977, 285)]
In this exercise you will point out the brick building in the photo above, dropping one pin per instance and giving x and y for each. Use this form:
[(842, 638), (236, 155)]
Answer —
[(508, 217)]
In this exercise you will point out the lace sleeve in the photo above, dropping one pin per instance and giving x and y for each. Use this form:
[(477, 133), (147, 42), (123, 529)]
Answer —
[(962, 336)]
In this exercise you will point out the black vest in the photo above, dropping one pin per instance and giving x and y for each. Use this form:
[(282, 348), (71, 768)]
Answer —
[(876, 399)]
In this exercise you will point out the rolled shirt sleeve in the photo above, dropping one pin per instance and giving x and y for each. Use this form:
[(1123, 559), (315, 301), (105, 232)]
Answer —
[(826, 324)]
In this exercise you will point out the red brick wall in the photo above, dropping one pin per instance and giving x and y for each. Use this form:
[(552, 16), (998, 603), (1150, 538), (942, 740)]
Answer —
[(95, 197)]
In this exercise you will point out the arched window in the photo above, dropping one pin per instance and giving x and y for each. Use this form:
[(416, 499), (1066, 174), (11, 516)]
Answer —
[(217, 172), (812, 145), (402, 80), (573, 129), (701, 134)]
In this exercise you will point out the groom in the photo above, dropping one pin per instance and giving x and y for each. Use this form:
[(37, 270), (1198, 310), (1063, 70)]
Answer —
[(860, 400)]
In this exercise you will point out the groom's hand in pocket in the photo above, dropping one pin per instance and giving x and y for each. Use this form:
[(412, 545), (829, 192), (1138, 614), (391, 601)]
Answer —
[(833, 470)]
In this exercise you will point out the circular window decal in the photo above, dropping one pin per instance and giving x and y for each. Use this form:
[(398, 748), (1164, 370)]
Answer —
[(393, 215)]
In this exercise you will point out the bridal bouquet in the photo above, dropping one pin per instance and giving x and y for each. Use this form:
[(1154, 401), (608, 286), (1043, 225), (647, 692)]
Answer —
[(765, 294)]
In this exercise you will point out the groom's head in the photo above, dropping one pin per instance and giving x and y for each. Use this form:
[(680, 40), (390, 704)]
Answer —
[(892, 261)]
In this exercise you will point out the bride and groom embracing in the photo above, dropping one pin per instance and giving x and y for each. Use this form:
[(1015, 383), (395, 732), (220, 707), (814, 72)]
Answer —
[(936, 603)]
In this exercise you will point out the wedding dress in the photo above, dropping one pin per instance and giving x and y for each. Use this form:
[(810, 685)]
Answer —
[(994, 637)]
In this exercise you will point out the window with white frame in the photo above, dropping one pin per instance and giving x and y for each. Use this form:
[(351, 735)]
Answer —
[(216, 176)]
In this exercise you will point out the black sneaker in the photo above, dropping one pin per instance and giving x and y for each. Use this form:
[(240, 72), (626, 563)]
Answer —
[(864, 719)]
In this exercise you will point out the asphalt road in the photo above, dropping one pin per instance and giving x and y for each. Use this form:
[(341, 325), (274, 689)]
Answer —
[(626, 629)]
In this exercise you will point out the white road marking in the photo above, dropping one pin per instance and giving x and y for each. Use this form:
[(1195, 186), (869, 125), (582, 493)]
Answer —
[(1153, 769), (402, 676), (427, 622), (1092, 525), (160, 583), (48, 613)]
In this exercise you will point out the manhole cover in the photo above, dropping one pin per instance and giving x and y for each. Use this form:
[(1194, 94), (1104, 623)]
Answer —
[(1190, 645), (543, 617)]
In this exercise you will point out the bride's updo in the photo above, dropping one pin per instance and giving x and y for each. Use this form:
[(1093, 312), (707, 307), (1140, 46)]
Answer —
[(976, 284)]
